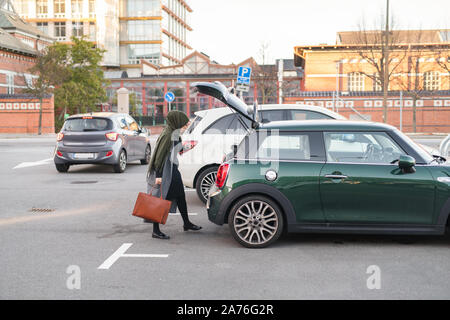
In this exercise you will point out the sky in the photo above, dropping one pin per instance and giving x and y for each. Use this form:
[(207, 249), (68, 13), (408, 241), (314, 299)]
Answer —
[(230, 31)]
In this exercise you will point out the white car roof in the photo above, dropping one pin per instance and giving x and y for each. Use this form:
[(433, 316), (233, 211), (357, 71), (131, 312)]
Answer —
[(224, 110)]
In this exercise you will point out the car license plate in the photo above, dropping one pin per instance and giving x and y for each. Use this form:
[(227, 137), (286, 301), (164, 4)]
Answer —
[(83, 156)]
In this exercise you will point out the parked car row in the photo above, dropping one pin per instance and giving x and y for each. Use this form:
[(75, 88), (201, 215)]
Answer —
[(265, 170), (326, 176)]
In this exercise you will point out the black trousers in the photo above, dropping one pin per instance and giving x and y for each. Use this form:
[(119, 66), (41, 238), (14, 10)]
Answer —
[(182, 207)]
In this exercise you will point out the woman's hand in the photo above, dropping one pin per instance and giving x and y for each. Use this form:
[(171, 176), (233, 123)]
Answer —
[(158, 181)]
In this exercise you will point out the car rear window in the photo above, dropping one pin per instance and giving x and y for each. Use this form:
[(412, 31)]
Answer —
[(194, 123), (266, 145), (308, 115), (87, 124)]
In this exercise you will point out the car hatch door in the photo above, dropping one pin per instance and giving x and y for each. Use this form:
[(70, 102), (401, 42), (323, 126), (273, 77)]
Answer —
[(220, 92)]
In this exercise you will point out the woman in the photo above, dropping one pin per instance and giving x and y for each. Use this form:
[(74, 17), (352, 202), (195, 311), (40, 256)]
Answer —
[(163, 175)]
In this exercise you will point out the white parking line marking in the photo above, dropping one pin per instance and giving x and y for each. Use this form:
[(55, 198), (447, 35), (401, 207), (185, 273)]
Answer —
[(120, 253), (32, 164)]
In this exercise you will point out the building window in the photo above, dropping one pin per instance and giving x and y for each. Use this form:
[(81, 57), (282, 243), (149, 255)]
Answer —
[(77, 8), (431, 81), (77, 29), (92, 31), (91, 8), (9, 83), (355, 81), (60, 30), (22, 7), (143, 8), (43, 26), (59, 8), (149, 52), (144, 30), (376, 82), (41, 8)]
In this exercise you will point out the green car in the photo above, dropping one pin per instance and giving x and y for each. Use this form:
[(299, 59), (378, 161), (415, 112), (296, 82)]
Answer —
[(326, 176)]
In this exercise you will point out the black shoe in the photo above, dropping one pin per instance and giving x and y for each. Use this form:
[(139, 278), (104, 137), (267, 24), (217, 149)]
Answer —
[(160, 235), (192, 227)]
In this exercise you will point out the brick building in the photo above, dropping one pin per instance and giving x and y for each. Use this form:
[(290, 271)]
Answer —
[(19, 46), (152, 82), (346, 77)]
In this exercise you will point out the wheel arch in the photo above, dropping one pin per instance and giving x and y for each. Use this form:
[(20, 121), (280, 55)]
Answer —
[(444, 215), (199, 172)]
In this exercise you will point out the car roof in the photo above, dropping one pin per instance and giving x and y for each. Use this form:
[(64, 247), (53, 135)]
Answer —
[(225, 110), (97, 114), (326, 125), (300, 106)]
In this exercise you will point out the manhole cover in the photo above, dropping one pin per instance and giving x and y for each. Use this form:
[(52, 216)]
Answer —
[(41, 210), (83, 182)]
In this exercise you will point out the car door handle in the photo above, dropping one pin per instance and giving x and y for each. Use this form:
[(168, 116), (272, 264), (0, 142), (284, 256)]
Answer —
[(335, 176)]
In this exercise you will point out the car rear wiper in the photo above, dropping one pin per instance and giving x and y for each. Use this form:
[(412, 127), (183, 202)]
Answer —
[(90, 130)]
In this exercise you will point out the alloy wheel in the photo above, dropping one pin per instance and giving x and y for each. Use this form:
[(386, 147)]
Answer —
[(256, 222), (123, 161), (207, 183)]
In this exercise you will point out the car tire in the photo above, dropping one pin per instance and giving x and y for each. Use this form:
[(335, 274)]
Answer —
[(256, 221), (121, 164), (205, 178), (62, 167), (148, 155)]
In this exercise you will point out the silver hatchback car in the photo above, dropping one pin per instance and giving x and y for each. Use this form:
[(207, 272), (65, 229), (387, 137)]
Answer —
[(101, 138)]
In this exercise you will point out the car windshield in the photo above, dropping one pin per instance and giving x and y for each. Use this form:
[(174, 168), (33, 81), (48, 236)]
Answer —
[(87, 124), (421, 151)]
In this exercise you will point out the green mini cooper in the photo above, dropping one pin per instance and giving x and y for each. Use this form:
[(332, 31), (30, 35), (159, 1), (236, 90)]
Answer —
[(326, 176)]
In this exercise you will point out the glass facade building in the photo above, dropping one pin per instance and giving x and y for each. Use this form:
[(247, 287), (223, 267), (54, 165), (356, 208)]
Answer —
[(129, 30)]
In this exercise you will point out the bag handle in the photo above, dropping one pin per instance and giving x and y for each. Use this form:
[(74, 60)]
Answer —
[(151, 190)]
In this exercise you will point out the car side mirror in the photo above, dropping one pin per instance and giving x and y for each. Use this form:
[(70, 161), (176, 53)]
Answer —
[(407, 163)]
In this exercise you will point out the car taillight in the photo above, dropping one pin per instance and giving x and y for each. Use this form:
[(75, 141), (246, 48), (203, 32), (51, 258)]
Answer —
[(59, 153), (222, 174), (109, 153), (60, 136), (188, 145), (112, 136)]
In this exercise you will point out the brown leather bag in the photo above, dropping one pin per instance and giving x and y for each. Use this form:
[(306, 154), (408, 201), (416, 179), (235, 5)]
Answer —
[(152, 208)]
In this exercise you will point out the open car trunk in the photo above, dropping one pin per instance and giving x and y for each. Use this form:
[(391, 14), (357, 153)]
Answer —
[(220, 92)]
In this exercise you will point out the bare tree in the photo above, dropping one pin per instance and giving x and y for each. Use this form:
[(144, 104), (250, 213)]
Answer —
[(382, 53), (417, 76), (265, 75)]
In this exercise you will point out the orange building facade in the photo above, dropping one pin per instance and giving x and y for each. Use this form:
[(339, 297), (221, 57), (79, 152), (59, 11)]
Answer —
[(348, 77)]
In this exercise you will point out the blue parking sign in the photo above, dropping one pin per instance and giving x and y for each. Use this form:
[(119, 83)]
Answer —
[(244, 74)]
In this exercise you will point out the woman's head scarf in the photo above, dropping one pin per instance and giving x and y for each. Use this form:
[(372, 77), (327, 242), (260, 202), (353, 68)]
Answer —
[(175, 121)]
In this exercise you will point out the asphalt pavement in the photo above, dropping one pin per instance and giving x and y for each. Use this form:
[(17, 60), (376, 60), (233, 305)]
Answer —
[(72, 236)]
